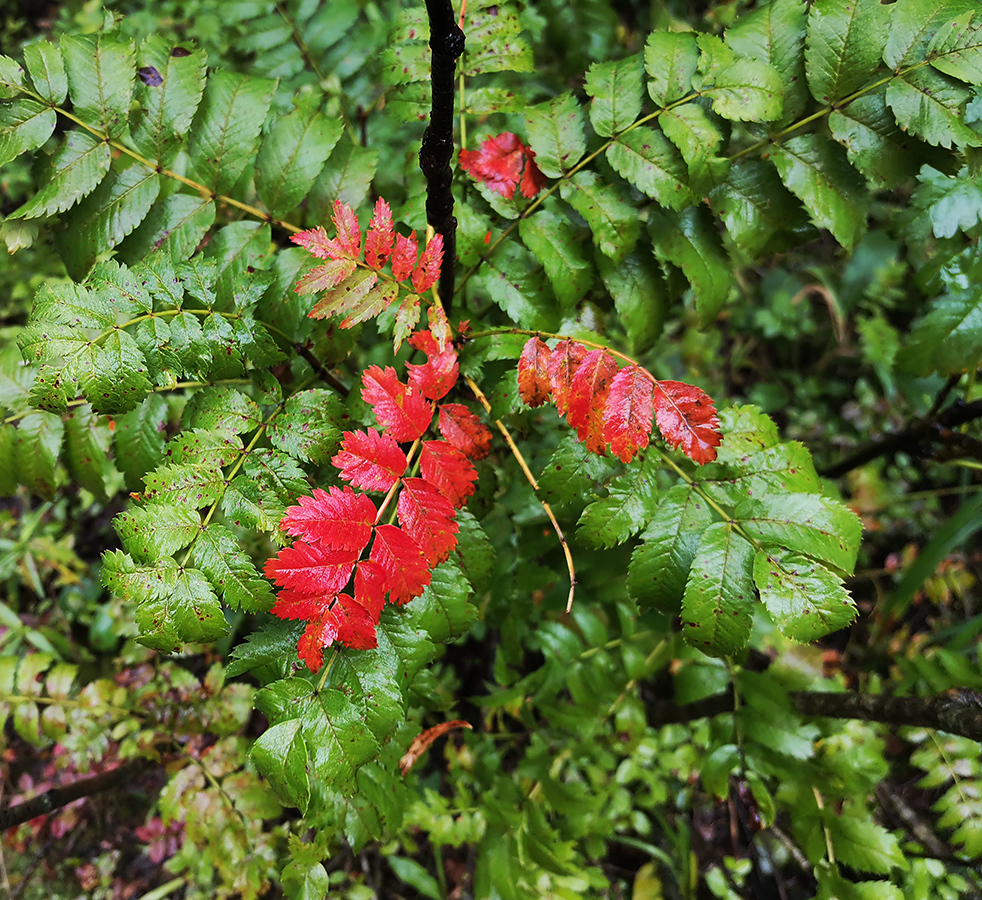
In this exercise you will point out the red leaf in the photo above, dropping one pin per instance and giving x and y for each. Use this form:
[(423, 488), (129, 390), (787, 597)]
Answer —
[(686, 417), (371, 585), (369, 460), (534, 386), (339, 519), (628, 412), (403, 561), (448, 469), (320, 633), (313, 240), (587, 394), (311, 569), (428, 269), (565, 358), (347, 243), (404, 257), (381, 236), (299, 604), (325, 277), (465, 431), (401, 409), (356, 626), (429, 517), (498, 164), (439, 374)]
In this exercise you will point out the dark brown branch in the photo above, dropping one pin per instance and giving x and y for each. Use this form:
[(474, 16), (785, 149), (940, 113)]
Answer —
[(958, 711), (436, 151), (58, 797), (917, 439)]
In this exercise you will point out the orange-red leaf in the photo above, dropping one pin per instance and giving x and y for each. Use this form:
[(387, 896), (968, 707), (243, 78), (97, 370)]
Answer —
[(404, 257), (314, 241), (325, 277), (371, 586), (339, 519), (428, 269), (439, 373), (460, 427), (311, 569), (401, 409), (422, 741), (369, 460), (498, 164), (299, 604), (381, 236), (356, 626), (320, 633), (403, 561), (564, 360), (345, 245), (534, 385), (429, 517), (448, 469), (587, 394), (629, 412), (686, 417)]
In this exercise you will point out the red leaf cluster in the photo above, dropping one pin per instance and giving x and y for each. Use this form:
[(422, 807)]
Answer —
[(617, 406), (499, 164), (345, 564)]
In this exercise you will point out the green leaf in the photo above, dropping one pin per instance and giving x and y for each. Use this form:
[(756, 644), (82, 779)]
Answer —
[(745, 90), (805, 600), (913, 24), (166, 99), (719, 593), (952, 204), (24, 125), (346, 177), (843, 47), (87, 440), (670, 59), (37, 445), (617, 90), (175, 225), (139, 439), (514, 282), (932, 107), (121, 290), (555, 132), (768, 718), (775, 33), (8, 460), (232, 574), (614, 223), (746, 431), (150, 533), (816, 172), (785, 467), (691, 241), (272, 650), (443, 610), (280, 754), (948, 338), (552, 239), (690, 128), (207, 448), (640, 296), (475, 552), (805, 523), (100, 80), (186, 484), (52, 389), (221, 408), (862, 844), (226, 127), (11, 78), (307, 428), (630, 502), (956, 48), (259, 498), (660, 565), (492, 42), (118, 380), (648, 161), (292, 155), (47, 70), (572, 472)]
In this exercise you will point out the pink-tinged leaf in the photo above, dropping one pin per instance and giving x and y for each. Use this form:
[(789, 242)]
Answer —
[(401, 409), (369, 460), (300, 605), (686, 418), (587, 395), (320, 633), (371, 586), (427, 271), (447, 468), (314, 241), (407, 317), (533, 180), (325, 277), (464, 430), (356, 627), (339, 519), (498, 164), (438, 374), (564, 360), (374, 303), (628, 413), (439, 326), (403, 561), (348, 295), (534, 386), (348, 240), (404, 257), (429, 517), (311, 569), (381, 236)]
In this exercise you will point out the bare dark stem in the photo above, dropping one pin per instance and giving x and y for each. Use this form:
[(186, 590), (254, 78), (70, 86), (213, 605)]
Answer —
[(436, 151)]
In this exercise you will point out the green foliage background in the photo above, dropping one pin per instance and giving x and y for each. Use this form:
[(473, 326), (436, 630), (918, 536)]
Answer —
[(776, 201)]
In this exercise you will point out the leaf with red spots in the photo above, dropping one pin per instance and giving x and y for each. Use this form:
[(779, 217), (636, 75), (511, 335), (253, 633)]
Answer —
[(369, 460), (687, 419), (404, 257), (498, 164), (401, 409), (428, 268), (564, 360), (534, 385), (464, 430), (307, 569), (381, 236), (407, 317), (438, 374), (325, 277), (403, 561), (337, 518), (429, 517), (628, 413), (587, 395)]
